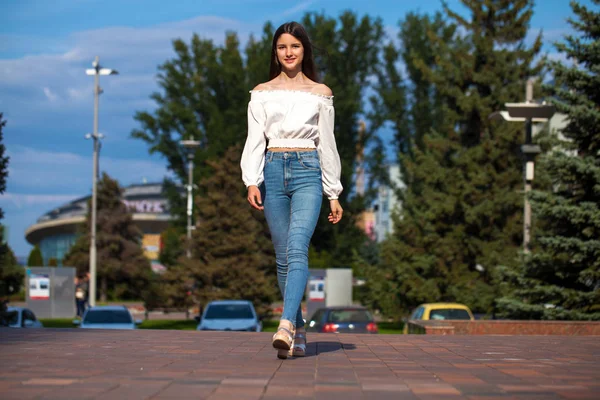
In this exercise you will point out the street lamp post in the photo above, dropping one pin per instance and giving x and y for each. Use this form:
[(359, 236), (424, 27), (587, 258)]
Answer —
[(96, 71), (190, 145), (527, 112)]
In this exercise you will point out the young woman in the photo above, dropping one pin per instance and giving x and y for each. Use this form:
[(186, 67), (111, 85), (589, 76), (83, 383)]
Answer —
[(290, 117)]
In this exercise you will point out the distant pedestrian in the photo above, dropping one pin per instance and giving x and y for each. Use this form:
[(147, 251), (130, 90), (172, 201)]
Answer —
[(291, 155), (80, 296)]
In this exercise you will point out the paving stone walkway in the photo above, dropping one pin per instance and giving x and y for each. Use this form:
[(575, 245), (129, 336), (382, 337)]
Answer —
[(145, 364)]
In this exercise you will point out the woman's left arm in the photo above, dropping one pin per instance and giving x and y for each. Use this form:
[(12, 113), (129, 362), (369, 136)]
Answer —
[(331, 167)]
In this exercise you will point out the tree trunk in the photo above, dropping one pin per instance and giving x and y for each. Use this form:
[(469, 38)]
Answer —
[(103, 290)]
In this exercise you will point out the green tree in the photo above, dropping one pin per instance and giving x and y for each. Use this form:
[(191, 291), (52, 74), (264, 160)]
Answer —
[(232, 257), (3, 160), (171, 246), (52, 262), (462, 210), (12, 276), (35, 258), (560, 279), (347, 54), (203, 96), (122, 269)]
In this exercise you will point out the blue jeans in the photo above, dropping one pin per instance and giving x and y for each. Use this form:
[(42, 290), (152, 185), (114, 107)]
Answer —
[(292, 201)]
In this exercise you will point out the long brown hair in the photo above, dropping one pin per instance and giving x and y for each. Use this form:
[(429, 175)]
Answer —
[(308, 62)]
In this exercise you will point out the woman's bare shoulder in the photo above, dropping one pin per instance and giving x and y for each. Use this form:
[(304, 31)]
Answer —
[(262, 86), (322, 89), (270, 85)]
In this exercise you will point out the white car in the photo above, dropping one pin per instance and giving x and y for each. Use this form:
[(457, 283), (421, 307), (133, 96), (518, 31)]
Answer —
[(107, 317), (229, 315), (20, 317)]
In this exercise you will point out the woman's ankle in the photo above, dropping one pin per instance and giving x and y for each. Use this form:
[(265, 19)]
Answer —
[(284, 323)]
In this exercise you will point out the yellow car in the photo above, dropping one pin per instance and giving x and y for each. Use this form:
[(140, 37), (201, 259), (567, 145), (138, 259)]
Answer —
[(440, 311)]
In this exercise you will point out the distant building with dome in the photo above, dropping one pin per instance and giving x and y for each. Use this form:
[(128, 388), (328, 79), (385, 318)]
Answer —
[(57, 230)]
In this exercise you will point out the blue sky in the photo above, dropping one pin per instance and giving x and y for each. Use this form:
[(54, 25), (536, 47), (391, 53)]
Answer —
[(47, 100)]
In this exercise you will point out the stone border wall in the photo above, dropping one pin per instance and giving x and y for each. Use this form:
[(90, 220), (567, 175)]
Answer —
[(505, 327)]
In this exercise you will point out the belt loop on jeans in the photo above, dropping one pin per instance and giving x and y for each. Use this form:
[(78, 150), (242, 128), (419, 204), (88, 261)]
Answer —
[(271, 156)]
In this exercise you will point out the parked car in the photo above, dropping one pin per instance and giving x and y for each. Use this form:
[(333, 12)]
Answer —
[(440, 311), (107, 317), (229, 315), (342, 320), (20, 317)]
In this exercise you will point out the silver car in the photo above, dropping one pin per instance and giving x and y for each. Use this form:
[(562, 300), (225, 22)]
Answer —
[(107, 317), (19, 317), (229, 315)]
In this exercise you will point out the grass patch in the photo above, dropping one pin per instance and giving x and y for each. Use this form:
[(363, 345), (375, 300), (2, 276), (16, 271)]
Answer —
[(394, 328), (57, 322), (177, 324), (390, 328)]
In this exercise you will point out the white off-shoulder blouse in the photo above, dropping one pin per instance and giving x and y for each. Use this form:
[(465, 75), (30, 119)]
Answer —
[(294, 119)]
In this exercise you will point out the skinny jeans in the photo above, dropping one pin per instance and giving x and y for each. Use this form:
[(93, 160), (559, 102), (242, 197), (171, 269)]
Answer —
[(292, 201)]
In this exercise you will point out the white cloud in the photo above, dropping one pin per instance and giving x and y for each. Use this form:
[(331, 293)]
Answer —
[(51, 96), (33, 170), (296, 9), (23, 200)]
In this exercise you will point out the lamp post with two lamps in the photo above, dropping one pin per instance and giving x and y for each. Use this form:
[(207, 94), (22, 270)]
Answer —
[(528, 112), (96, 71)]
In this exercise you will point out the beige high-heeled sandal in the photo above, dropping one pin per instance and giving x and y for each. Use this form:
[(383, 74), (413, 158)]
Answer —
[(298, 349), (283, 339)]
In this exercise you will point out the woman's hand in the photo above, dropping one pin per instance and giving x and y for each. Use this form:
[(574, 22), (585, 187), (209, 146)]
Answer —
[(336, 211), (254, 198)]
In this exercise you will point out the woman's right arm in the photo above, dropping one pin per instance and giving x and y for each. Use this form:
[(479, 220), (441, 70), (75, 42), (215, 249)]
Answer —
[(253, 156)]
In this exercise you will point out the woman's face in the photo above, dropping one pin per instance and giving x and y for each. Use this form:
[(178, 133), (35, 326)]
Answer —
[(290, 52)]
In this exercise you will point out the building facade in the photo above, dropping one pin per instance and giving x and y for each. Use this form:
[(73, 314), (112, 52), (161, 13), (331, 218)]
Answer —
[(57, 230), (387, 203)]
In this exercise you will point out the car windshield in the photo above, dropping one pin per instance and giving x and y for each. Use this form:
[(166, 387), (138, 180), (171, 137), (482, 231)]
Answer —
[(107, 317), (12, 317), (450, 313), (350, 316), (229, 311)]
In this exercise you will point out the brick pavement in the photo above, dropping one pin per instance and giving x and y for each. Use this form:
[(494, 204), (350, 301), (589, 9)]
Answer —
[(145, 364)]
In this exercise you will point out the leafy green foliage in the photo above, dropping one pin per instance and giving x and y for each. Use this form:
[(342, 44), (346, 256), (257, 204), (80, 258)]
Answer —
[(560, 279), (122, 269), (35, 258), (11, 274), (461, 209), (232, 256), (348, 54)]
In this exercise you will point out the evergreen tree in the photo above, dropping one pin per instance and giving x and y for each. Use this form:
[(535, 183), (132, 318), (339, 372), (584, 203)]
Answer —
[(204, 95), (35, 258), (232, 257), (122, 269), (3, 161), (560, 279), (11, 275), (347, 53), (171, 246), (462, 210)]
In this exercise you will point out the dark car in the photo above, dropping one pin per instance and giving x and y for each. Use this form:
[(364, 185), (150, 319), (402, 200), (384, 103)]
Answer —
[(352, 319)]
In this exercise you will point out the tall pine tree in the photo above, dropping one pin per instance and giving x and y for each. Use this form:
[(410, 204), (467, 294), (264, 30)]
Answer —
[(122, 269), (462, 209), (560, 279), (347, 54), (232, 256), (11, 275)]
